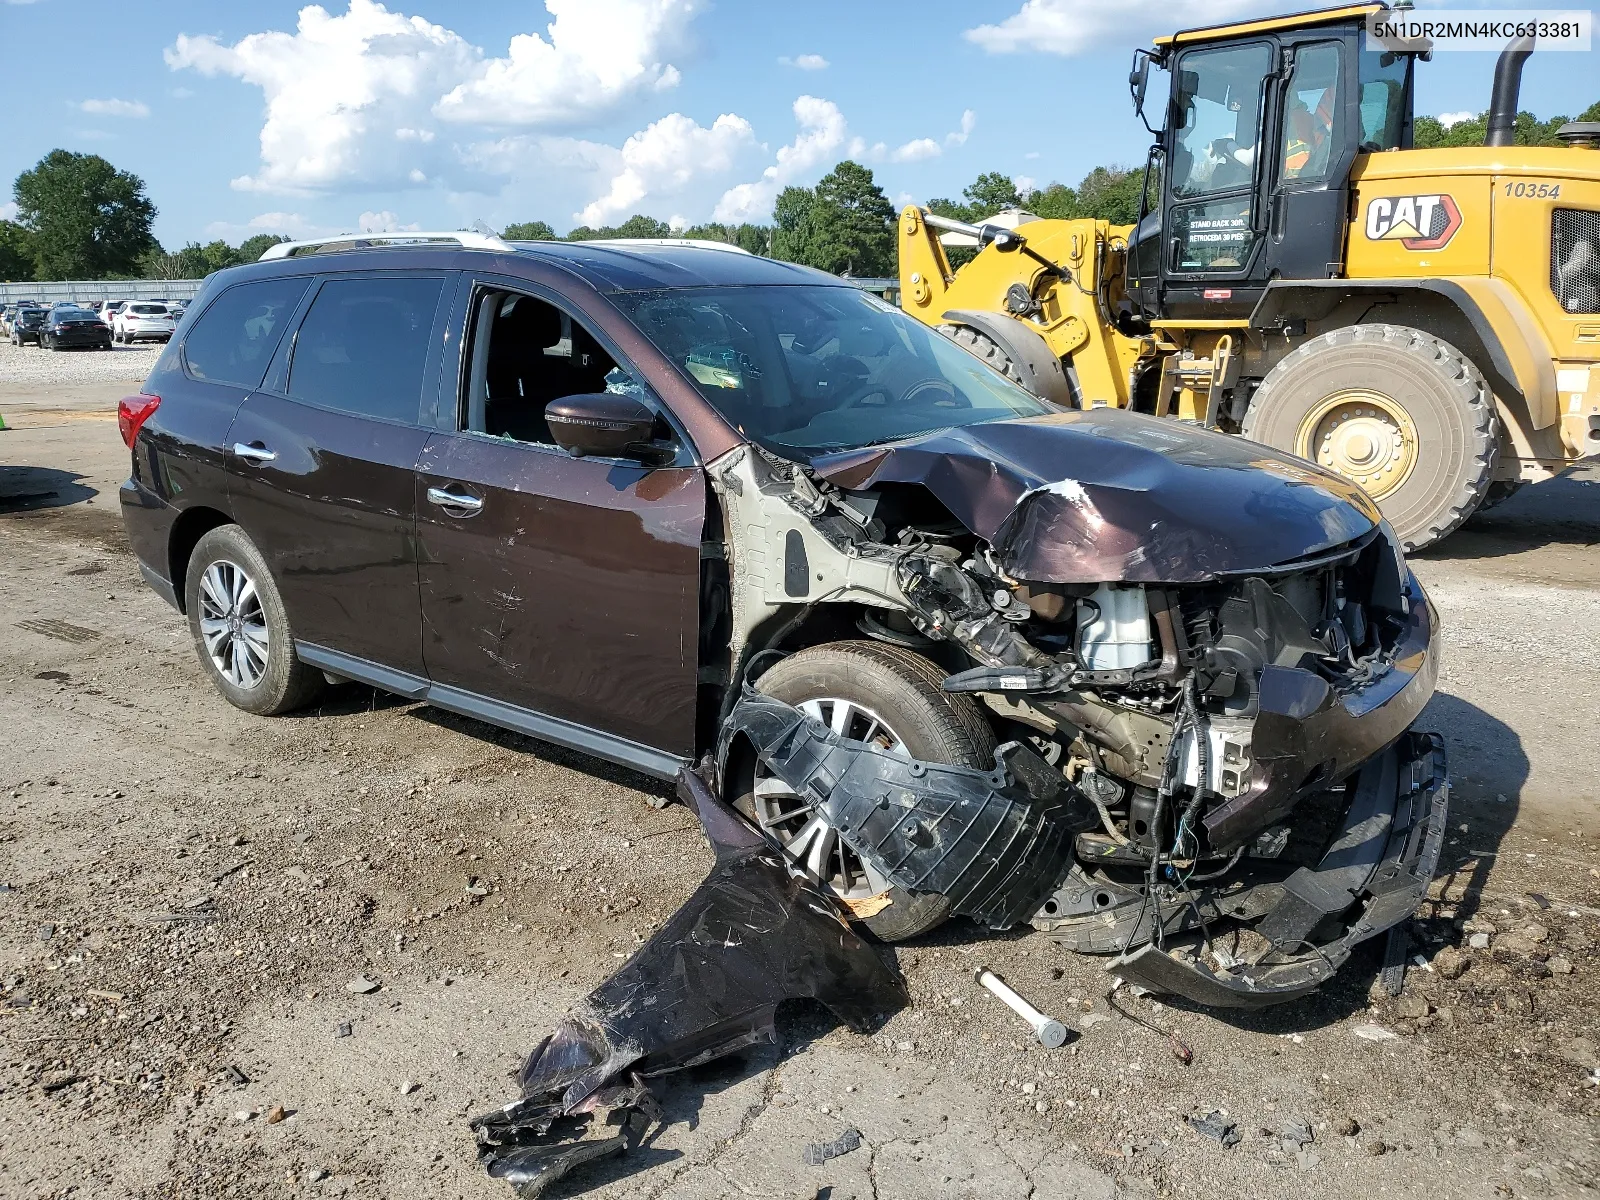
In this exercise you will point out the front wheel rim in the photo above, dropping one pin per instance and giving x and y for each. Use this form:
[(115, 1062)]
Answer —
[(1363, 435), (807, 840), (233, 625)]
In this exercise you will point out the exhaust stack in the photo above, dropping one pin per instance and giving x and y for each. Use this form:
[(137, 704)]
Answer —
[(1507, 85)]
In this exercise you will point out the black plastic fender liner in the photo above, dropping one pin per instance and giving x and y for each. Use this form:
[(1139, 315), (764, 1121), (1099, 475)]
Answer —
[(1378, 867), (995, 842), (706, 984)]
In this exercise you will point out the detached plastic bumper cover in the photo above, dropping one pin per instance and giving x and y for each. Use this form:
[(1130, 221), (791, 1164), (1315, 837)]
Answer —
[(707, 984), (1373, 876)]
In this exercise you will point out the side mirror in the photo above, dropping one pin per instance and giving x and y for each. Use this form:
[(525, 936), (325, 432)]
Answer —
[(1139, 81), (601, 423)]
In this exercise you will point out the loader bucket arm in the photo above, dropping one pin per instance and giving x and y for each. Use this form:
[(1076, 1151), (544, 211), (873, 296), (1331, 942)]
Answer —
[(924, 270)]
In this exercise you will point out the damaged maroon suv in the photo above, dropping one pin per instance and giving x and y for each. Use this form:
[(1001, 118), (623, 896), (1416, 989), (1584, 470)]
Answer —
[(942, 648)]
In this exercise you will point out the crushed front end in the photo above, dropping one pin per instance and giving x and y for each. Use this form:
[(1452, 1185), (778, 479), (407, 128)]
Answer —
[(1203, 663)]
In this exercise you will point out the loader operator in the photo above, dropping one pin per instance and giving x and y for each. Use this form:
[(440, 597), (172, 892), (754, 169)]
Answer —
[(1308, 136)]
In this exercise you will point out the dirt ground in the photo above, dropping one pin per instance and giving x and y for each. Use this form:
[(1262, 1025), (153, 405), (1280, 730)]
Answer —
[(188, 891)]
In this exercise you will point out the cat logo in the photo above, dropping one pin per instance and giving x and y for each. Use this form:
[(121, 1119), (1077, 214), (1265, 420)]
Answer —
[(1416, 222)]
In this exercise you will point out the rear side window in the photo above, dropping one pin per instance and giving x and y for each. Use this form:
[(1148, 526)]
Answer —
[(363, 345), (149, 310), (234, 338)]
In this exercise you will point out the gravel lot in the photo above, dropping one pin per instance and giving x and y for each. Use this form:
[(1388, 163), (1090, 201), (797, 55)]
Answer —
[(29, 365), (189, 890)]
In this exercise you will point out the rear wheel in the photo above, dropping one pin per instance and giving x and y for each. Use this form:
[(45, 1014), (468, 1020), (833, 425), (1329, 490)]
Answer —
[(1400, 412), (240, 629), (887, 696)]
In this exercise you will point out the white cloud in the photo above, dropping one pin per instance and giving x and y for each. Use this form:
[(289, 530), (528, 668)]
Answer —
[(664, 157), (181, 93), (958, 137), (291, 225), (1031, 155), (1025, 184), (115, 108), (822, 132), (805, 62), (8, 211), (333, 89), (383, 222), (918, 150), (1455, 118), (1073, 26), (600, 53)]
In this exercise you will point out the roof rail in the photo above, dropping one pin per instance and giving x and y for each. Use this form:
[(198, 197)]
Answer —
[(698, 243), (466, 239)]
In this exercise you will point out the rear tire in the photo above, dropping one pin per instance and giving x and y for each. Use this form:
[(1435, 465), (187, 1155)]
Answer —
[(241, 632), (1399, 411), (901, 688)]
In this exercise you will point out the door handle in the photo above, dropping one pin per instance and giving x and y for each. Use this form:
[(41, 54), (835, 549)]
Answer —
[(445, 498), (255, 452)]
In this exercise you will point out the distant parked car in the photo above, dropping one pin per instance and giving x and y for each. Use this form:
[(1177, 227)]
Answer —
[(108, 310), (25, 323), (143, 321), (68, 325)]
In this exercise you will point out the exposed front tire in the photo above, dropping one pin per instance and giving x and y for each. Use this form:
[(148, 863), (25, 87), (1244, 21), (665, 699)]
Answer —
[(1401, 412), (876, 693), (240, 629)]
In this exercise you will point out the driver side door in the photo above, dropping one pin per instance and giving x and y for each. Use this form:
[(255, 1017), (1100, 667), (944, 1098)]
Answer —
[(560, 595)]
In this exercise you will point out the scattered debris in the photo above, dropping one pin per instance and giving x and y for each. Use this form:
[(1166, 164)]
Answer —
[(1180, 1048), (408, 1086), (235, 1076), (342, 1030), (276, 1114), (1090, 1020), (1050, 1032), (1347, 1127), (818, 1153), (1450, 963), (55, 1085), (46, 932), (1295, 1135), (362, 986), (1377, 1147), (1374, 1033), (1217, 1127), (1479, 941), (751, 936)]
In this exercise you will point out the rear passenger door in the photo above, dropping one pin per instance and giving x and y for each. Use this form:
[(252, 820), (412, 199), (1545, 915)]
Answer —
[(321, 461)]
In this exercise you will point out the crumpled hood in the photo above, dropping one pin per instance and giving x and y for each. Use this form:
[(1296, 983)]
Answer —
[(1109, 496)]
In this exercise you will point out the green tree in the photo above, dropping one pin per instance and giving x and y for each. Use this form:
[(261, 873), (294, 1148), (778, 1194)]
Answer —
[(16, 253), (252, 248), (991, 192), (529, 231), (1428, 133), (843, 225), (757, 239), (87, 220)]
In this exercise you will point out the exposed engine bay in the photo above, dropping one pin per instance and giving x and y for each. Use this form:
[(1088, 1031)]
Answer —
[(1205, 747), (1196, 664)]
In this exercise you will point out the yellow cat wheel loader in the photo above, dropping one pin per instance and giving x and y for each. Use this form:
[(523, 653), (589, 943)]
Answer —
[(1424, 322)]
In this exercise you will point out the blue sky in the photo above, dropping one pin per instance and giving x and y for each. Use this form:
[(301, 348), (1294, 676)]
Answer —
[(273, 117)]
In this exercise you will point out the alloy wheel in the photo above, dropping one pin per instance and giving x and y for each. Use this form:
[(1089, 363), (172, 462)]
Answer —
[(809, 841), (233, 624)]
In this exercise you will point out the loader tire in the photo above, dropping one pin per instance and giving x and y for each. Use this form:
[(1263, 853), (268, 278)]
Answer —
[(986, 348), (1401, 412), (901, 689)]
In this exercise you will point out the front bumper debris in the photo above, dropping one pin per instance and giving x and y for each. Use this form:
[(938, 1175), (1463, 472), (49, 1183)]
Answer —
[(995, 843), (1372, 877), (708, 983)]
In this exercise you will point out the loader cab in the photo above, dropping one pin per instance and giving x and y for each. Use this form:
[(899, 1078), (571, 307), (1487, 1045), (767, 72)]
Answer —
[(1249, 178)]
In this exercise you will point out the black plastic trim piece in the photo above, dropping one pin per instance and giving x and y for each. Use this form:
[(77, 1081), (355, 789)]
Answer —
[(160, 585)]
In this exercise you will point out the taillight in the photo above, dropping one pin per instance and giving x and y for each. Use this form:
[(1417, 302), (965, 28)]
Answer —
[(132, 413)]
